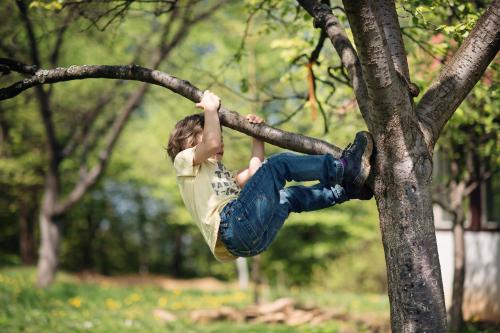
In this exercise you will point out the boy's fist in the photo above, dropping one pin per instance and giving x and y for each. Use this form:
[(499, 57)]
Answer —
[(209, 101), (254, 119)]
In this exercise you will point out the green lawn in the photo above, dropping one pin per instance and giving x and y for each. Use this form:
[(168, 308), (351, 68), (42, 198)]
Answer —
[(70, 305)]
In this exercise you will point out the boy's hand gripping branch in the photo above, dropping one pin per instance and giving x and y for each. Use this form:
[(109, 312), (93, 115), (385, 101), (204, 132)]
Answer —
[(210, 144)]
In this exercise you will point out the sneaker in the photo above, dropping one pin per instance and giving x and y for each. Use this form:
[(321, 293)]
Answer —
[(356, 158)]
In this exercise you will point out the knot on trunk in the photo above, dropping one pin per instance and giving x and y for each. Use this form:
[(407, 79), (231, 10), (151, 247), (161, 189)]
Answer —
[(321, 13)]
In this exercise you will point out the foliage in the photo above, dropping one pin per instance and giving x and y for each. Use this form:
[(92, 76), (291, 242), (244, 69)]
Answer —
[(460, 16)]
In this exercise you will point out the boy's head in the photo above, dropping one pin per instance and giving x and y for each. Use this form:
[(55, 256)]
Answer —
[(186, 134)]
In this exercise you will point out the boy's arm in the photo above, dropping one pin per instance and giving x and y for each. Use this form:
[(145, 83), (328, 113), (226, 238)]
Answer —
[(258, 155), (211, 140)]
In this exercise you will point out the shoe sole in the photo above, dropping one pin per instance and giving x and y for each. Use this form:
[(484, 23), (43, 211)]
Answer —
[(365, 159)]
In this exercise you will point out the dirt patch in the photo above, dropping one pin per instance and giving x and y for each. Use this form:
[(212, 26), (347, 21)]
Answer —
[(287, 311), (205, 284)]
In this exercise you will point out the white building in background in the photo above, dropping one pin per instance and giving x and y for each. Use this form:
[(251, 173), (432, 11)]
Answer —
[(482, 244)]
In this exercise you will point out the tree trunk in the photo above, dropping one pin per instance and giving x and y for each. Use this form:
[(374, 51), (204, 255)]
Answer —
[(403, 194), (242, 268), (26, 234), (88, 242), (50, 232), (256, 278), (456, 314), (50, 235)]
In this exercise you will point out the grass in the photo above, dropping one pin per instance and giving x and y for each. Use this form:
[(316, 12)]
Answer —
[(70, 305)]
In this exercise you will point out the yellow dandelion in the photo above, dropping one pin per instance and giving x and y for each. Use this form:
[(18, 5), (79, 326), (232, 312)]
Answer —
[(240, 296), (75, 302), (133, 298), (111, 304), (162, 301), (177, 306)]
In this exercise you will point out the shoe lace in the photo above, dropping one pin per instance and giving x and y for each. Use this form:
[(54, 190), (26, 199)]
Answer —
[(346, 150)]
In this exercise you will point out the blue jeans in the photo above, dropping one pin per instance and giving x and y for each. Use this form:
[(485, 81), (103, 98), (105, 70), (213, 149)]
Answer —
[(250, 223)]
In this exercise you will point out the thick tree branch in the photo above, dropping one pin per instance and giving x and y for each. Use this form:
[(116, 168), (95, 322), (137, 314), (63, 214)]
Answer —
[(388, 93), (442, 202), (9, 65), (460, 74), (388, 18), (230, 119), (326, 20)]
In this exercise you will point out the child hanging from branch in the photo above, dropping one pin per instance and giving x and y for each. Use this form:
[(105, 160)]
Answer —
[(239, 214)]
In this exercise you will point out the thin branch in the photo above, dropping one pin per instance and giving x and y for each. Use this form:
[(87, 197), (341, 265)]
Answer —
[(335, 77), (326, 20), (89, 178), (422, 45), (313, 58), (291, 115), (443, 203), (253, 12), (80, 135)]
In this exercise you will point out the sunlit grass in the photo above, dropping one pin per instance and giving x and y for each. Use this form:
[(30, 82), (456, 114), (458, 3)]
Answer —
[(70, 305)]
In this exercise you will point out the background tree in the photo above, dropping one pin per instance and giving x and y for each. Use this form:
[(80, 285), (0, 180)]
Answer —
[(83, 141), (469, 153)]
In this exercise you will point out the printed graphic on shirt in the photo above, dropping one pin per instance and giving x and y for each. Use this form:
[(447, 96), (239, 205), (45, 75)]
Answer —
[(225, 183)]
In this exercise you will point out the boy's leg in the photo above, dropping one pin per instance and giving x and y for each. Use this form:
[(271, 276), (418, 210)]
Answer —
[(299, 199), (292, 167), (260, 208), (309, 198), (259, 202)]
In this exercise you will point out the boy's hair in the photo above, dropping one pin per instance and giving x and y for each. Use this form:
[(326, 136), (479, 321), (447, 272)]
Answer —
[(185, 133)]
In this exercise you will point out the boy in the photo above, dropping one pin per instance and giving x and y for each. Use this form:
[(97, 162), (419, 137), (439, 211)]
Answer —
[(240, 214)]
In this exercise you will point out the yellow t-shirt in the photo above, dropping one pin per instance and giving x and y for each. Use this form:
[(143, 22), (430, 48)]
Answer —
[(205, 189)]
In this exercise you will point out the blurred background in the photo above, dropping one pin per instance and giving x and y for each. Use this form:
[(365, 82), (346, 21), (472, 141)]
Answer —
[(130, 258)]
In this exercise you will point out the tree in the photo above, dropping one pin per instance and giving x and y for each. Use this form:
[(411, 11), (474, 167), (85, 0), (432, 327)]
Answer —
[(469, 160), (405, 135), (84, 139)]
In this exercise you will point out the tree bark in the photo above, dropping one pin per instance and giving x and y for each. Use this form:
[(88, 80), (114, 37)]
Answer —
[(50, 235), (403, 195)]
